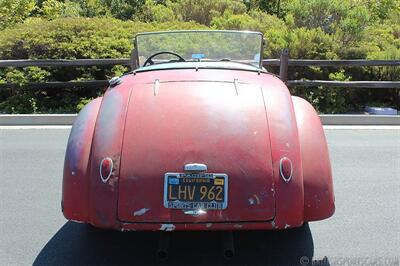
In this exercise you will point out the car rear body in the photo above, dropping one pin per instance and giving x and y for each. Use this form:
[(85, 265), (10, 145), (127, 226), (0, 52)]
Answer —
[(238, 121), (204, 122)]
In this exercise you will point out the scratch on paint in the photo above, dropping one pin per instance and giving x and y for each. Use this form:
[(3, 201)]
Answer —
[(238, 226), (255, 200), (76, 221), (167, 227), (251, 201), (127, 230), (140, 212), (241, 170), (273, 224), (287, 226), (208, 225)]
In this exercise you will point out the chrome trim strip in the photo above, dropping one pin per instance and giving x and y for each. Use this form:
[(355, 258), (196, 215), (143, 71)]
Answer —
[(235, 82), (195, 213), (195, 167), (156, 86)]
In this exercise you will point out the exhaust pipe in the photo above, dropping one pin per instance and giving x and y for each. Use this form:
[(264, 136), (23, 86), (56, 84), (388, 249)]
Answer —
[(163, 245), (229, 249)]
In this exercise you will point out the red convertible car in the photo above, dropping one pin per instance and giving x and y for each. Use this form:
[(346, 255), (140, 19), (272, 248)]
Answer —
[(199, 136)]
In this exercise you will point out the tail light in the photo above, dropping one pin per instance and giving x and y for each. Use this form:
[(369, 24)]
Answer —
[(285, 169), (106, 167)]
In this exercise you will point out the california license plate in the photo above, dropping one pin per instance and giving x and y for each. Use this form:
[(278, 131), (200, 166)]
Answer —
[(195, 191)]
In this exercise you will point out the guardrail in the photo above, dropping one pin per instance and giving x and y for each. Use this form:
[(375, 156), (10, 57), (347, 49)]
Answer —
[(284, 62), (326, 120)]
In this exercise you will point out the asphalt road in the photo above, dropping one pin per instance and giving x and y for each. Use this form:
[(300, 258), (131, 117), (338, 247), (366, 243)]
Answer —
[(363, 231)]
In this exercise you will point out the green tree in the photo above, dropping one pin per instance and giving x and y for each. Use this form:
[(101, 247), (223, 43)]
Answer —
[(203, 11), (52, 9), (276, 7), (124, 9), (381, 9), (159, 12), (15, 11)]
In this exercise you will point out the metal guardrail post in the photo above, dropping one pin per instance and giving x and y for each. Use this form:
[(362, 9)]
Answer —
[(283, 70)]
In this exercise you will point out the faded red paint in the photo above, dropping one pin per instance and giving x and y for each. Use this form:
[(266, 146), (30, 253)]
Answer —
[(187, 122), (75, 197), (201, 116), (319, 200)]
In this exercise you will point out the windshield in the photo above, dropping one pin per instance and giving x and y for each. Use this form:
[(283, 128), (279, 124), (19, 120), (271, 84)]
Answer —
[(242, 47)]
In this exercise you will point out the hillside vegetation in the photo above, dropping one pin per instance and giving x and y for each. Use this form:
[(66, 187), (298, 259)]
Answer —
[(310, 29)]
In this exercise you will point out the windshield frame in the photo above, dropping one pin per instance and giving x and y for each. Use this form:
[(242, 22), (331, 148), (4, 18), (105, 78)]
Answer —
[(135, 52)]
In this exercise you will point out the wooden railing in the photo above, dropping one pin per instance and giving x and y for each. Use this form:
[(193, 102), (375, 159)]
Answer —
[(284, 63)]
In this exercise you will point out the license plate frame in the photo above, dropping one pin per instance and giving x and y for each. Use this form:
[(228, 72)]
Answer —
[(189, 204)]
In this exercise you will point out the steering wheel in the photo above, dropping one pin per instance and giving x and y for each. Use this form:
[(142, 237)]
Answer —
[(151, 62)]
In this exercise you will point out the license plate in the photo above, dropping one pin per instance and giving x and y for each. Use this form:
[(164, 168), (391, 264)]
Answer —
[(195, 191)]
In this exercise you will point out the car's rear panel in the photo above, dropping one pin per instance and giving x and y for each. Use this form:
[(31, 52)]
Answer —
[(220, 124)]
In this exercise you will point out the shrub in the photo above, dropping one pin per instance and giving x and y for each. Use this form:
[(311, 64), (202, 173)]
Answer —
[(312, 29), (66, 38)]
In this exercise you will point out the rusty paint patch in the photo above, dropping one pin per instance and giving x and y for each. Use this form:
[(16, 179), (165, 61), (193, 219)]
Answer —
[(113, 182)]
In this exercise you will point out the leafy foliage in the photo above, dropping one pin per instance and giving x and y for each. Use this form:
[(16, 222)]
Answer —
[(67, 38), (12, 12)]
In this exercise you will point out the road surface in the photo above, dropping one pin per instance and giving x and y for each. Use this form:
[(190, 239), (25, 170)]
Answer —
[(363, 231)]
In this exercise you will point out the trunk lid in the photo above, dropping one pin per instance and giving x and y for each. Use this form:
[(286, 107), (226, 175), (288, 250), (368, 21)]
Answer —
[(220, 124)]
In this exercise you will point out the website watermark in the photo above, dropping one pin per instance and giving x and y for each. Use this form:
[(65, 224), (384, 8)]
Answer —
[(350, 261)]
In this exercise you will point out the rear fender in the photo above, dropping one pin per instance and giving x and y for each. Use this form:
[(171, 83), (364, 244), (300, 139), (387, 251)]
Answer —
[(284, 143), (107, 142), (75, 192), (319, 201)]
